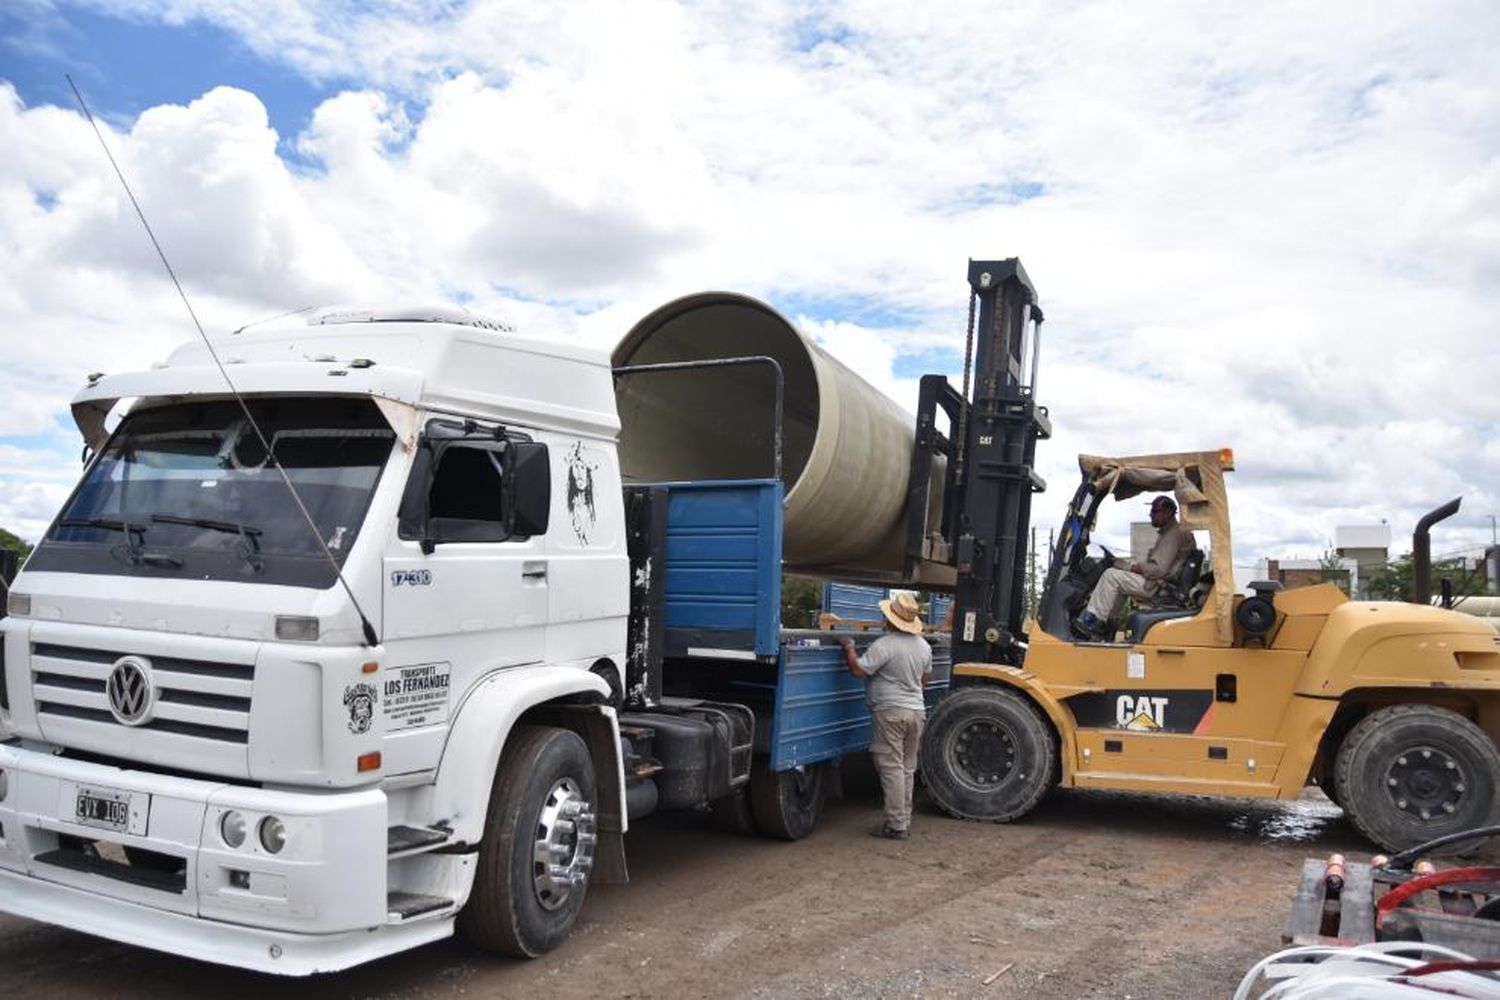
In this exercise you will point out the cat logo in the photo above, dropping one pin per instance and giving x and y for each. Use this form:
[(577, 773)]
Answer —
[(1143, 714)]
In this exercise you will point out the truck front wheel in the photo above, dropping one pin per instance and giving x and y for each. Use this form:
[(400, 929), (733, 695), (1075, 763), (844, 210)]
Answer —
[(1411, 773), (987, 755), (538, 846)]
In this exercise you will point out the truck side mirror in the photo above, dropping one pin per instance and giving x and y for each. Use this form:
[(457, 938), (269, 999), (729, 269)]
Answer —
[(529, 487)]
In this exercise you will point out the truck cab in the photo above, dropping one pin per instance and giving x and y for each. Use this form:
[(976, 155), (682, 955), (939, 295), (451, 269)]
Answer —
[(353, 634), (259, 673)]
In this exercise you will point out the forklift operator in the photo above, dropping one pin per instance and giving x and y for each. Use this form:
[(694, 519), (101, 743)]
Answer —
[(1128, 579)]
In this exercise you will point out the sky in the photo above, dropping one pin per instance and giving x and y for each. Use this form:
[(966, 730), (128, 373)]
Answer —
[(1270, 226)]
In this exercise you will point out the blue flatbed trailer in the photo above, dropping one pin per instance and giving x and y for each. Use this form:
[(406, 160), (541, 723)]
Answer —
[(708, 650)]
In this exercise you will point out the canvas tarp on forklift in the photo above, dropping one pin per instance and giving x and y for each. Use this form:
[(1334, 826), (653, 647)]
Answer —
[(1196, 479)]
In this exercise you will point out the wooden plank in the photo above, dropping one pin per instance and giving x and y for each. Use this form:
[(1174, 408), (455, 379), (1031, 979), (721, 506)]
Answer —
[(1306, 917), (1357, 905)]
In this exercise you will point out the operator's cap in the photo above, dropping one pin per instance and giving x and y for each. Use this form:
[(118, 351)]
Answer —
[(1164, 501)]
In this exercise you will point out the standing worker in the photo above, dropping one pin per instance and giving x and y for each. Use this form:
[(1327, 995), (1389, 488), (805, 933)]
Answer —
[(897, 665)]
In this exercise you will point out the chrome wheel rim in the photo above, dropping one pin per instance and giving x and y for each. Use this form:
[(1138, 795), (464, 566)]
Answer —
[(563, 848)]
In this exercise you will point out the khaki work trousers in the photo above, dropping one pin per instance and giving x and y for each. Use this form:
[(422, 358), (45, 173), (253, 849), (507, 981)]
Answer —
[(897, 735), (1114, 586)]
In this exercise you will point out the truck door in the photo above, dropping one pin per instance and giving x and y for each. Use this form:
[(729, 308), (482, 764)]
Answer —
[(588, 591), (463, 596)]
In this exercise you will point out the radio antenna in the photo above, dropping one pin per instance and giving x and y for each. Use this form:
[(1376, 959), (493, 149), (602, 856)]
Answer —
[(364, 621)]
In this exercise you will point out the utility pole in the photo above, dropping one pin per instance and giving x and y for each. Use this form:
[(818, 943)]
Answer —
[(1031, 576)]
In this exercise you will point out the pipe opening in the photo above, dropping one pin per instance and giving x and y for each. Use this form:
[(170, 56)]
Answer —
[(714, 423)]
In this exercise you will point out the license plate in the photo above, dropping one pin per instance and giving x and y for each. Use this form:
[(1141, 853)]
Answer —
[(107, 809)]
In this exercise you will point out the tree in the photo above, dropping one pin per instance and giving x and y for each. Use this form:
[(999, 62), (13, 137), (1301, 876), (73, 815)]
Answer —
[(11, 543), (1394, 581), (800, 596), (15, 544), (1333, 571)]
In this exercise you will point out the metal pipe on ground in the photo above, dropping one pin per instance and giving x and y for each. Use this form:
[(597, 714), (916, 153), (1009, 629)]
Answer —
[(847, 449)]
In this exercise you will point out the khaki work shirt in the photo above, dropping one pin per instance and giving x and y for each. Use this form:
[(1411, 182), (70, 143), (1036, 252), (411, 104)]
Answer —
[(1173, 543)]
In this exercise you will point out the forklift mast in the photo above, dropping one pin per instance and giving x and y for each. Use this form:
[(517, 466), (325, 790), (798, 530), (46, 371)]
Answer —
[(990, 476)]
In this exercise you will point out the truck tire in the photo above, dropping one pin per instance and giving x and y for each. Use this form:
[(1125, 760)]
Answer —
[(788, 804), (1410, 773), (538, 845), (987, 755)]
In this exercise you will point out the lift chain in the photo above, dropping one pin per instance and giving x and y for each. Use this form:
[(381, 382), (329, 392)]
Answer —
[(963, 413)]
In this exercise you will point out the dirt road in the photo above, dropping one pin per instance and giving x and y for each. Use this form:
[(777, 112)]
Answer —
[(1094, 895)]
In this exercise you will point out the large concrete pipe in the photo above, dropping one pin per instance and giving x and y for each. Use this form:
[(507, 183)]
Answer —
[(847, 447)]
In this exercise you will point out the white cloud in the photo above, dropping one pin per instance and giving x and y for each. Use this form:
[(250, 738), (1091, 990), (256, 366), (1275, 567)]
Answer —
[(1274, 227)]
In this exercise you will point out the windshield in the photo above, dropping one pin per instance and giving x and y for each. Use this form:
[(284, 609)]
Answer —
[(188, 491)]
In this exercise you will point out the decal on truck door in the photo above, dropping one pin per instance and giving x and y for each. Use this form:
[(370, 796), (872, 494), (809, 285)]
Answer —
[(1145, 711), (581, 493), (416, 695)]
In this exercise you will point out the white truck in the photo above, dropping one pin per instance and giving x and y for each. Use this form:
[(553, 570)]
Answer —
[(229, 736)]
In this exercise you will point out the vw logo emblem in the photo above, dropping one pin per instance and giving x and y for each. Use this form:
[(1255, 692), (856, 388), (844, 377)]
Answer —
[(131, 695)]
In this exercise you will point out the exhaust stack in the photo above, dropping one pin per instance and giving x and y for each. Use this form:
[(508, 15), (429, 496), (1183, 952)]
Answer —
[(1421, 550)]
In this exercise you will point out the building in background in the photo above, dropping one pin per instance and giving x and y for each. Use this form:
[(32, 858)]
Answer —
[(1368, 547)]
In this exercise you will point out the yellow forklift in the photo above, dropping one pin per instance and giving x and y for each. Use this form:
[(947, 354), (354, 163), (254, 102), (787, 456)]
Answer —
[(1393, 709)]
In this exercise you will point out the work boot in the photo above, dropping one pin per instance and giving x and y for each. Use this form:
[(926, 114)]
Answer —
[(1089, 628), (888, 832)]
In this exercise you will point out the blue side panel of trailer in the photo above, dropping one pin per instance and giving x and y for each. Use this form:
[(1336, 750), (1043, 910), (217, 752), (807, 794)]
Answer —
[(853, 601), (861, 602), (820, 710), (937, 610), (723, 568)]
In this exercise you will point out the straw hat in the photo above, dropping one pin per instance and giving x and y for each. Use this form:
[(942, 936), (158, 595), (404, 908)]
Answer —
[(902, 611)]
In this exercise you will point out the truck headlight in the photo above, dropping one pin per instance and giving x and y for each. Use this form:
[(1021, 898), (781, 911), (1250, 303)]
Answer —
[(18, 604), (232, 828), (4, 784), (272, 834), (297, 628)]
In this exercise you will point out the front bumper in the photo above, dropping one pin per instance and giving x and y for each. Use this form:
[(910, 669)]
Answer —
[(278, 952), (309, 907)]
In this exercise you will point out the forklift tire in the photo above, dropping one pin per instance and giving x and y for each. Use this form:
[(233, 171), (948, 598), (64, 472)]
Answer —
[(988, 755), (732, 813), (538, 845), (788, 804), (1408, 774)]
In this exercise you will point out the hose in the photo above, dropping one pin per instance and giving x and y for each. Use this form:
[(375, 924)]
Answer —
[(1388, 969)]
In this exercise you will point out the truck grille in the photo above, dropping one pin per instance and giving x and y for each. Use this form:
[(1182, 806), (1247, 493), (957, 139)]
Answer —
[(206, 699)]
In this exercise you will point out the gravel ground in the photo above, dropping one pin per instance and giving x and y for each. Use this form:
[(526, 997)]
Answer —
[(1093, 895)]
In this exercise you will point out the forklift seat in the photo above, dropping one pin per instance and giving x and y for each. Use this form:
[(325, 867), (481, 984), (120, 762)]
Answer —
[(1178, 590), (1182, 596)]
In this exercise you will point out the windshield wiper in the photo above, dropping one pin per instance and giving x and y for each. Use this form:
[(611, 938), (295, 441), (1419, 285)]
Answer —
[(135, 539), (131, 529), (249, 549)]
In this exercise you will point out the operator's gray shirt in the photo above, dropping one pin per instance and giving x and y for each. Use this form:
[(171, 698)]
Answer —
[(896, 662)]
